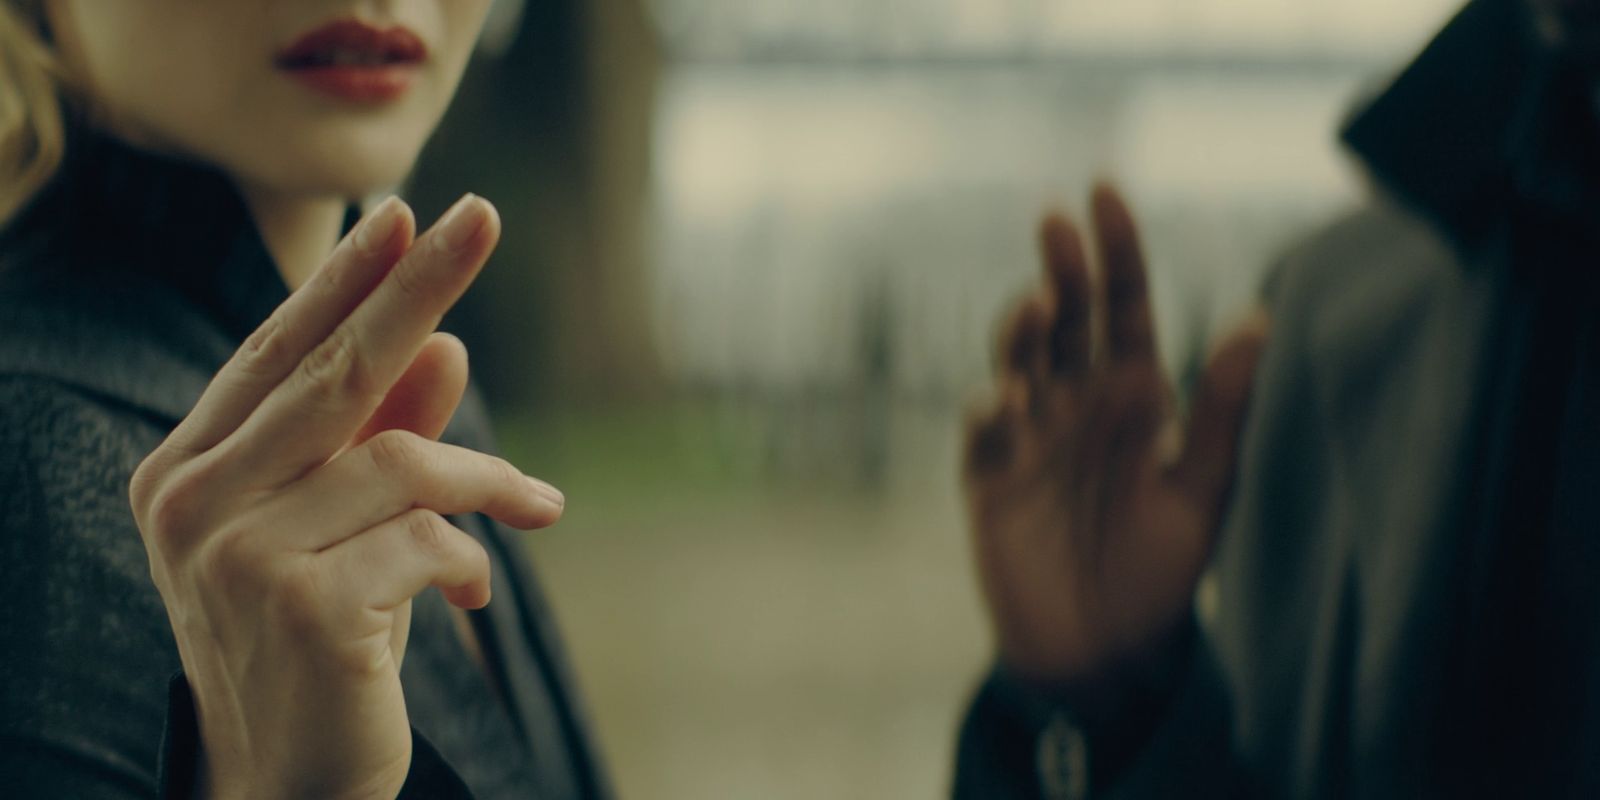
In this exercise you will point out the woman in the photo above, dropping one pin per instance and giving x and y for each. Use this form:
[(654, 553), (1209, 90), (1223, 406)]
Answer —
[(169, 172), (289, 497)]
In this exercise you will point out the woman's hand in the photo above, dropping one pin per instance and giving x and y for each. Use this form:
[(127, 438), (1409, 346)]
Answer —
[(1094, 510), (293, 516)]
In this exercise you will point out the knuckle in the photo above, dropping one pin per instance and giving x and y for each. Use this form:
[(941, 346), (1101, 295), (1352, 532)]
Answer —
[(429, 533), (407, 280), (466, 557), (477, 559), (337, 368), (171, 506), (263, 348), (175, 506), (167, 513), (142, 485), (160, 473), (161, 578), (505, 472), (397, 452)]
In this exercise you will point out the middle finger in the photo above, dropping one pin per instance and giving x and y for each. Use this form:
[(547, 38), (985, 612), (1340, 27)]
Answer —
[(311, 415), (1068, 269), (1130, 329)]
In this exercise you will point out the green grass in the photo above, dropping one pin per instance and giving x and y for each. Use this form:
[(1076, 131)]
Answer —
[(634, 460)]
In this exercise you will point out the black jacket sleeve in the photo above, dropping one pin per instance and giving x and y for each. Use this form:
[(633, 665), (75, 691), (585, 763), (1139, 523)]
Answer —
[(1020, 744)]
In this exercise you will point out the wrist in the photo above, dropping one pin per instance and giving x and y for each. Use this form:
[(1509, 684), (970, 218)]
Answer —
[(1118, 689), (1099, 723)]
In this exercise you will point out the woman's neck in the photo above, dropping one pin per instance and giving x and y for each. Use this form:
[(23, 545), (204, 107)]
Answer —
[(300, 231)]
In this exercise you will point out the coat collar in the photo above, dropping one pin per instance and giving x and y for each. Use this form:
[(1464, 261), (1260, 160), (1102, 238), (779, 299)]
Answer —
[(1485, 119), (133, 276)]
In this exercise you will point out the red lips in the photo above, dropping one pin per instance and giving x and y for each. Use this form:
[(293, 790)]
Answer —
[(354, 61)]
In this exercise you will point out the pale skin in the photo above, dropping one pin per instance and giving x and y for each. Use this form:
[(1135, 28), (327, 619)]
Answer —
[(295, 513), (209, 90), (292, 517)]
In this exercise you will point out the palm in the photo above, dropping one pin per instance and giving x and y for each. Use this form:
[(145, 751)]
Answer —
[(1092, 526), (1083, 572)]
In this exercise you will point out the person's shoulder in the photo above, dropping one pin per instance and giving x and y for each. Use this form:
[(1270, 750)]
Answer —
[(1377, 310), (87, 643), (49, 282), (124, 339), (1378, 251), (68, 454), (1366, 283)]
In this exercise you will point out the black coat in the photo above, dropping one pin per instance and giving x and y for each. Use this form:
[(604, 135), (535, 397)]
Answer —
[(123, 288)]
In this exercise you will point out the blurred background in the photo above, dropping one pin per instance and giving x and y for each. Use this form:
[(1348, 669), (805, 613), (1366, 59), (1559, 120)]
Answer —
[(754, 255)]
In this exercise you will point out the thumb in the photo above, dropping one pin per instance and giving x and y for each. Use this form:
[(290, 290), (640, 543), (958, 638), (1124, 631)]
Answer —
[(1205, 468), (426, 396)]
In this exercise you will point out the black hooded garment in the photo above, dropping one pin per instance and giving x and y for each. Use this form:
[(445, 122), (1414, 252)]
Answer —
[(124, 287), (1408, 580)]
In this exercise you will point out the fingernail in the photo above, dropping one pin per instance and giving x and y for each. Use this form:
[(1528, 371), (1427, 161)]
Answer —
[(461, 223), (549, 492), (380, 226)]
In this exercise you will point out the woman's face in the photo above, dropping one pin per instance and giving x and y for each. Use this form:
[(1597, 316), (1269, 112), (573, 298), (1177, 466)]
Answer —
[(312, 97)]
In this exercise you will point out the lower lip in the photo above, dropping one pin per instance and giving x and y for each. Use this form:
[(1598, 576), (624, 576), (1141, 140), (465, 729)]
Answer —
[(358, 84)]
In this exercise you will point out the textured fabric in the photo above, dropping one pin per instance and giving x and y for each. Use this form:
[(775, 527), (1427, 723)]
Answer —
[(123, 289), (1407, 575)]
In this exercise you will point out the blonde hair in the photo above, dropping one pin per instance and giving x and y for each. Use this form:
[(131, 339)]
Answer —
[(32, 128)]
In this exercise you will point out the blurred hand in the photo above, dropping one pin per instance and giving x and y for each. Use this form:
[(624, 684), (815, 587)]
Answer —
[(295, 513), (1093, 508)]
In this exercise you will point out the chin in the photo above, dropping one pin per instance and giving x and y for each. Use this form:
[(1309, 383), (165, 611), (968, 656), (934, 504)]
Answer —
[(349, 170), (352, 181)]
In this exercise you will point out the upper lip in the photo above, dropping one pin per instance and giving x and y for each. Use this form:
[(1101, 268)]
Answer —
[(349, 41)]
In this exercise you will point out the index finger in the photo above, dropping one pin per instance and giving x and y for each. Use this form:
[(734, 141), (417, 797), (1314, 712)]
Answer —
[(269, 354), (336, 387)]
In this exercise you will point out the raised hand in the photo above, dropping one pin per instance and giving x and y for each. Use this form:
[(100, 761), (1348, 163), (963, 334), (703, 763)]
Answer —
[(295, 513), (1093, 507)]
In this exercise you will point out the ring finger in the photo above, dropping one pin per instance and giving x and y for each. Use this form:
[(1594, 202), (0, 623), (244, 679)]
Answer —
[(397, 471), (381, 568)]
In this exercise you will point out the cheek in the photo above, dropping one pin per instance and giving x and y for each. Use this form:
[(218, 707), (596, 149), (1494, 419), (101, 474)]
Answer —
[(170, 94), (209, 90), (462, 23)]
